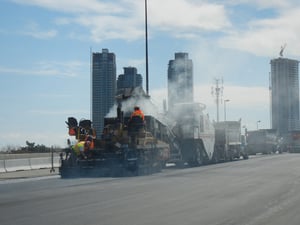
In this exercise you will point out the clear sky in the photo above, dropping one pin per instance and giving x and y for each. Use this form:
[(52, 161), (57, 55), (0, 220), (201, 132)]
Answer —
[(45, 56)]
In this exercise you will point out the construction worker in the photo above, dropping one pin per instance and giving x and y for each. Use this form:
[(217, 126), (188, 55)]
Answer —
[(89, 143), (137, 112), (136, 124), (79, 148)]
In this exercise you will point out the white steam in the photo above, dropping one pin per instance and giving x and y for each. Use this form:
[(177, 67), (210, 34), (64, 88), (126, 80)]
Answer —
[(139, 99)]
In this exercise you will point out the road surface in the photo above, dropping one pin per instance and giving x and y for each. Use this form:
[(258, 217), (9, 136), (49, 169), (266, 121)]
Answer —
[(262, 190)]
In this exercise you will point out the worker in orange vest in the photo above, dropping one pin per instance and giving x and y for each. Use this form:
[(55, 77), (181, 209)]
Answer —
[(136, 124), (138, 112)]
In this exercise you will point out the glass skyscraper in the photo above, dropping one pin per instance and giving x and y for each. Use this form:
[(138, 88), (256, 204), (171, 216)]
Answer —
[(284, 86), (103, 87)]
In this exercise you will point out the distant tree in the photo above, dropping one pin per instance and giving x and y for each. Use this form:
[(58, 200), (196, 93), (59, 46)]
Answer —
[(30, 145), (10, 149), (41, 148)]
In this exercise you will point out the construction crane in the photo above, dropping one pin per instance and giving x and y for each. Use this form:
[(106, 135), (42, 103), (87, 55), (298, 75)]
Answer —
[(281, 50)]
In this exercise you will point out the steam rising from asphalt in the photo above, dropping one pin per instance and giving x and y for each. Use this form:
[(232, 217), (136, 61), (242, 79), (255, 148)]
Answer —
[(138, 99), (180, 83), (180, 95)]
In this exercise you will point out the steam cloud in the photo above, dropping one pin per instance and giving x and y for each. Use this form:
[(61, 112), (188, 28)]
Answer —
[(138, 99)]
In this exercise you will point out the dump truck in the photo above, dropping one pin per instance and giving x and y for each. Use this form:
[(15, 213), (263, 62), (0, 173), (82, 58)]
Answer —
[(228, 141), (261, 141), (292, 142)]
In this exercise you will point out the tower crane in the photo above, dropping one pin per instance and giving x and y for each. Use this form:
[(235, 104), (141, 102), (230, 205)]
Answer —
[(281, 50)]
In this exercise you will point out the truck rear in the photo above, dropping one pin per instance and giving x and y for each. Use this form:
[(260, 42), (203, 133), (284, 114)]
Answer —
[(262, 141), (228, 143)]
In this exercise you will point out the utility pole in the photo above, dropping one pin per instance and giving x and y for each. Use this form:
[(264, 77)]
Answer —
[(217, 91), (257, 122), (146, 40)]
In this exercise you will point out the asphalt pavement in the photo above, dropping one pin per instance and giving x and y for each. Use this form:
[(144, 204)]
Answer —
[(262, 190)]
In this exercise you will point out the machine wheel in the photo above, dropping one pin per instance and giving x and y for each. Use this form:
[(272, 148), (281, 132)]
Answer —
[(179, 164), (215, 158), (198, 156), (230, 156), (245, 156)]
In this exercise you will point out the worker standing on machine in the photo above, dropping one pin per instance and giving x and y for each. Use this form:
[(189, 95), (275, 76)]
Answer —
[(136, 124), (78, 149), (137, 113)]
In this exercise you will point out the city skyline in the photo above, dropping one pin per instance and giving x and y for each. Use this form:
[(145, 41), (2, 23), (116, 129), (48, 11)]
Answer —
[(45, 56)]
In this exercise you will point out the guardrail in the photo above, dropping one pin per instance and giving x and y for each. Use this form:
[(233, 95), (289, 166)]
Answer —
[(11, 165)]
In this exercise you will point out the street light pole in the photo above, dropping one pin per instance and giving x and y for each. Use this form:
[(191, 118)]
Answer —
[(257, 124), (217, 91), (227, 100), (146, 40), (245, 135)]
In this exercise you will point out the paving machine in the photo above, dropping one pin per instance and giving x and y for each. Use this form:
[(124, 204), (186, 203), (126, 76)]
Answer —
[(127, 146)]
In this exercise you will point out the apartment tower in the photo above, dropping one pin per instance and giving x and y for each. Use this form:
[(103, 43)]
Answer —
[(103, 87), (130, 79)]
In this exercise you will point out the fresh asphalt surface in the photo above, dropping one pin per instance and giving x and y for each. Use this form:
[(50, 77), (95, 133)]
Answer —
[(262, 190)]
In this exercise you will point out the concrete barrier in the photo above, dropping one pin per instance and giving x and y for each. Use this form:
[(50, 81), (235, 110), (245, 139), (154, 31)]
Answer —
[(12, 165), (17, 164), (2, 166), (40, 163), (56, 161), (7, 156)]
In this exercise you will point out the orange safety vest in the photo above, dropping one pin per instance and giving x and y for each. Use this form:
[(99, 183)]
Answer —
[(138, 113)]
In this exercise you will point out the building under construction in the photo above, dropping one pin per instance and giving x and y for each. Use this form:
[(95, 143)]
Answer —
[(284, 87)]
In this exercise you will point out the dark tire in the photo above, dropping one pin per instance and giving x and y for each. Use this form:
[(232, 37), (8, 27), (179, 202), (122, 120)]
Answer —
[(179, 164), (215, 158), (245, 156)]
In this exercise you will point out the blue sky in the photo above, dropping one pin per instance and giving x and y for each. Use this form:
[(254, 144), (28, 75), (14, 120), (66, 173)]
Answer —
[(45, 56)]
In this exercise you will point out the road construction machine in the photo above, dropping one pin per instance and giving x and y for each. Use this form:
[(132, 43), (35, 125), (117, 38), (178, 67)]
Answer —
[(127, 146), (192, 134)]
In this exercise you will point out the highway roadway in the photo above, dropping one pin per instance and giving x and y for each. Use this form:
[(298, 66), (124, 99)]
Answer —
[(262, 190)]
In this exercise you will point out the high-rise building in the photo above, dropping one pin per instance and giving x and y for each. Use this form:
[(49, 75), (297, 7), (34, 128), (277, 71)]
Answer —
[(103, 87), (130, 79), (180, 80), (284, 86)]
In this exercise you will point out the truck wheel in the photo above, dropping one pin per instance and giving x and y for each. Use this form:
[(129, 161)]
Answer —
[(179, 164), (215, 158)]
